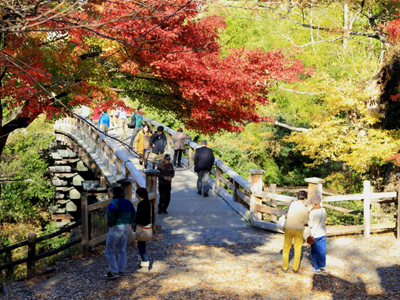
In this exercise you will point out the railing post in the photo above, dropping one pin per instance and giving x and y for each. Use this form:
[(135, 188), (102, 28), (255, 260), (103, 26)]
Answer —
[(151, 187), (235, 187), (256, 186), (367, 208), (85, 225), (191, 156), (31, 269), (169, 144), (314, 186), (218, 175), (398, 206), (272, 189)]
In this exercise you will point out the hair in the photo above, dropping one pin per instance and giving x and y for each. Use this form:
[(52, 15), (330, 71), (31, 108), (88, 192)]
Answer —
[(105, 111), (203, 142), (139, 108), (180, 130), (160, 128), (118, 192), (301, 195), (148, 127), (142, 193)]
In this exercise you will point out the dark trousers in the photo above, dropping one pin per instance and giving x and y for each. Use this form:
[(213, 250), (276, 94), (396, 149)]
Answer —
[(142, 250), (178, 157), (164, 188)]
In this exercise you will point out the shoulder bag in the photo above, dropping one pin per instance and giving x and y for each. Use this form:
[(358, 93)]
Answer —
[(282, 220), (145, 233), (311, 240)]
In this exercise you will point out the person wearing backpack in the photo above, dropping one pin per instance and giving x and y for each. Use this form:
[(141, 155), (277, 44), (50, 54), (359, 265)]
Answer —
[(120, 215), (137, 122)]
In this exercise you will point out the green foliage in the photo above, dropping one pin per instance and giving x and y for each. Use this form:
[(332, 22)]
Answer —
[(27, 197)]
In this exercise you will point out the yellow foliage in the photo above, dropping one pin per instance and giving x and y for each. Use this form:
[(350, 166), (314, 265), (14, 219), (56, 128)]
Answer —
[(343, 132)]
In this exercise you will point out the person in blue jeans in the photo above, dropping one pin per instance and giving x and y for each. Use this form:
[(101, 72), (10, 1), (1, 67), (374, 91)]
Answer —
[(145, 216), (120, 214), (317, 218)]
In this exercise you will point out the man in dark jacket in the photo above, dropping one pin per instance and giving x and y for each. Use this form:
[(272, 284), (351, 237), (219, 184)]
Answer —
[(158, 142), (165, 176), (203, 162), (120, 214)]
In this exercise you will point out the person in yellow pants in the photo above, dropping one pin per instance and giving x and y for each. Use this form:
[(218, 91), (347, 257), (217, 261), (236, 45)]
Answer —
[(297, 219)]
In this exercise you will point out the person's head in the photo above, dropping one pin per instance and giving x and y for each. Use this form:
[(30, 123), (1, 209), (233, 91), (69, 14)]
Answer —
[(118, 192), (141, 193), (315, 200), (139, 108), (302, 195), (204, 142), (180, 130), (160, 130), (146, 128), (105, 111), (167, 159)]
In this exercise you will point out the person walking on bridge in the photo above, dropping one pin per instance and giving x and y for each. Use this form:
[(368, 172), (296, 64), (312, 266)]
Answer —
[(179, 147), (120, 214), (138, 121), (165, 176), (203, 161), (158, 144), (145, 216), (121, 115), (297, 219), (104, 122)]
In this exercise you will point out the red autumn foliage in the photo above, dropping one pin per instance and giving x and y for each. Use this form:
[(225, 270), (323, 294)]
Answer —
[(176, 48)]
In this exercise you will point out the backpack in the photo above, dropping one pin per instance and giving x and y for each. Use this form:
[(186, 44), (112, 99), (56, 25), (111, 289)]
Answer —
[(132, 123)]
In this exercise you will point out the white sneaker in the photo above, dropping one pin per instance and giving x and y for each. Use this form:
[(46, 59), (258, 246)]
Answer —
[(324, 270), (315, 271)]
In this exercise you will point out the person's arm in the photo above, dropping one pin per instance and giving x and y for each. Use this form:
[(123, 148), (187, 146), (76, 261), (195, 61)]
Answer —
[(161, 169), (100, 119), (138, 139), (196, 157), (173, 173), (108, 121), (133, 214), (152, 139), (111, 214)]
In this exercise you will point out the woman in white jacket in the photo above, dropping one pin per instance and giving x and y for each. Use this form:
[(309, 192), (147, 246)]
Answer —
[(316, 222)]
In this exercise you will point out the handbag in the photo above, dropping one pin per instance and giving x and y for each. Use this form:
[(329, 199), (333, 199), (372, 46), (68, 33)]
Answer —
[(282, 220), (145, 233), (131, 237), (281, 223), (311, 240)]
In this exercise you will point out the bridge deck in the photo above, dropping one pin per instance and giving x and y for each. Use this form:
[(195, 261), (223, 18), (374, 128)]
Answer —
[(192, 218)]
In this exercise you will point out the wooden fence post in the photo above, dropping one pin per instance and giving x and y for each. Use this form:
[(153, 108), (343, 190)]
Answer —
[(272, 189), (191, 156), (314, 186), (151, 187), (31, 269), (256, 186), (218, 175), (398, 206), (367, 208), (85, 225)]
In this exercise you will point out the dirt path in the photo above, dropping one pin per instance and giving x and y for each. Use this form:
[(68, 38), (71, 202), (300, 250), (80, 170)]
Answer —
[(358, 269)]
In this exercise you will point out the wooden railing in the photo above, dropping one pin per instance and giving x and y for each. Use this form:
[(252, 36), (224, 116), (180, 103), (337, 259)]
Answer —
[(115, 167), (251, 202), (32, 257)]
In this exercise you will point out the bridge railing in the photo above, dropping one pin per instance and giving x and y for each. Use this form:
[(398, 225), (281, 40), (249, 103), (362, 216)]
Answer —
[(32, 256), (115, 167)]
